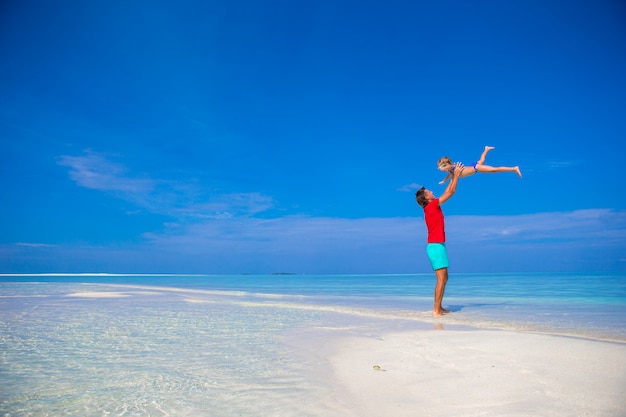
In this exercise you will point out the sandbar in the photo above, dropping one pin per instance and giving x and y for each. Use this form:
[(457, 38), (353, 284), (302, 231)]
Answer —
[(481, 373), (103, 294)]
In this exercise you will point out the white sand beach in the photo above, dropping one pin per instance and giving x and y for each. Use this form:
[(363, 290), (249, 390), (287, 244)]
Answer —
[(478, 373)]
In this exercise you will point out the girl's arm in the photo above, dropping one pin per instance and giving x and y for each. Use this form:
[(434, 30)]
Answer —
[(446, 178)]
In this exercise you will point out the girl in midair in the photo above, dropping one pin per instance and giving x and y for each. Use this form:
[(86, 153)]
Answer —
[(445, 164)]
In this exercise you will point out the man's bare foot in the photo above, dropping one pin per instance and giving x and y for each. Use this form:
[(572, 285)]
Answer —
[(439, 313), (518, 172)]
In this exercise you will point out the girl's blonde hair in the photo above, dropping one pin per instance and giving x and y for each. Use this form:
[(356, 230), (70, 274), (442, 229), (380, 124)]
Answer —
[(444, 160)]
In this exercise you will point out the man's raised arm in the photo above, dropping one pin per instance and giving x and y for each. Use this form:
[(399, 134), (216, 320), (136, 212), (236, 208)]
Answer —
[(451, 188)]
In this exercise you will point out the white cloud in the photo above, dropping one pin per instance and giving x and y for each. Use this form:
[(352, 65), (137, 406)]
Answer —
[(179, 199), (590, 240), (561, 164), (589, 224), (226, 206), (94, 171), (586, 225), (220, 233), (397, 244), (409, 188)]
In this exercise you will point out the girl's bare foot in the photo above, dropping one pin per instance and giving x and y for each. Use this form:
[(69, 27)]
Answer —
[(518, 172)]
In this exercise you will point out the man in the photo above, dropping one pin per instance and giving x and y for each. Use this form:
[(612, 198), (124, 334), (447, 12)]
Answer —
[(436, 247)]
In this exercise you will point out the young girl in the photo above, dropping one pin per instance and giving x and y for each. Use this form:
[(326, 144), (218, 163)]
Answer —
[(445, 164)]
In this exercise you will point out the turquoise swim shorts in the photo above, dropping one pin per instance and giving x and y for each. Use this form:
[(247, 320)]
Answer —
[(438, 255)]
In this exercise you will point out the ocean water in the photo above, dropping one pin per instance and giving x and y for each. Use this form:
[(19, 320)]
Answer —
[(247, 345)]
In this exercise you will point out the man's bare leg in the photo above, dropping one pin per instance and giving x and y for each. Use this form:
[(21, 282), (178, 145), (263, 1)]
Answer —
[(440, 288)]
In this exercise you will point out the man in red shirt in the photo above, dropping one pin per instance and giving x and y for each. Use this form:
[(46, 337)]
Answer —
[(436, 248)]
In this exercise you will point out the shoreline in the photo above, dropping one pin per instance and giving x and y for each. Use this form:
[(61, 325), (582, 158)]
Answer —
[(425, 318), (548, 325), (527, 327)]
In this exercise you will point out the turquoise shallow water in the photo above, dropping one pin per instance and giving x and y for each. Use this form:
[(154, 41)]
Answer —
[(215, 345), (583, 304)]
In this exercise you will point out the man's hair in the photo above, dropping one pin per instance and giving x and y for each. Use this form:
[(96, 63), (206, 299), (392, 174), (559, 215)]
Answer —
[(420, 198)]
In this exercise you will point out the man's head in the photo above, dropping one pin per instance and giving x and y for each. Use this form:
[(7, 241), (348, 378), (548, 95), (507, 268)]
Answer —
[(445, 164), (424, 196)]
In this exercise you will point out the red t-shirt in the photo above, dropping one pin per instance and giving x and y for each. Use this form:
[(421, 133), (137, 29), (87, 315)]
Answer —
[(434, 222)]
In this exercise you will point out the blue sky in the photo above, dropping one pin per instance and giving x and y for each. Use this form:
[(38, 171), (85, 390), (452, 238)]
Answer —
[(280, 136)]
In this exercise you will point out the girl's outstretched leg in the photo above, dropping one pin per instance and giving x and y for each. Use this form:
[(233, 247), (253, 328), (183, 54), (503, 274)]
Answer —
[(481, 161), (488, 168)]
